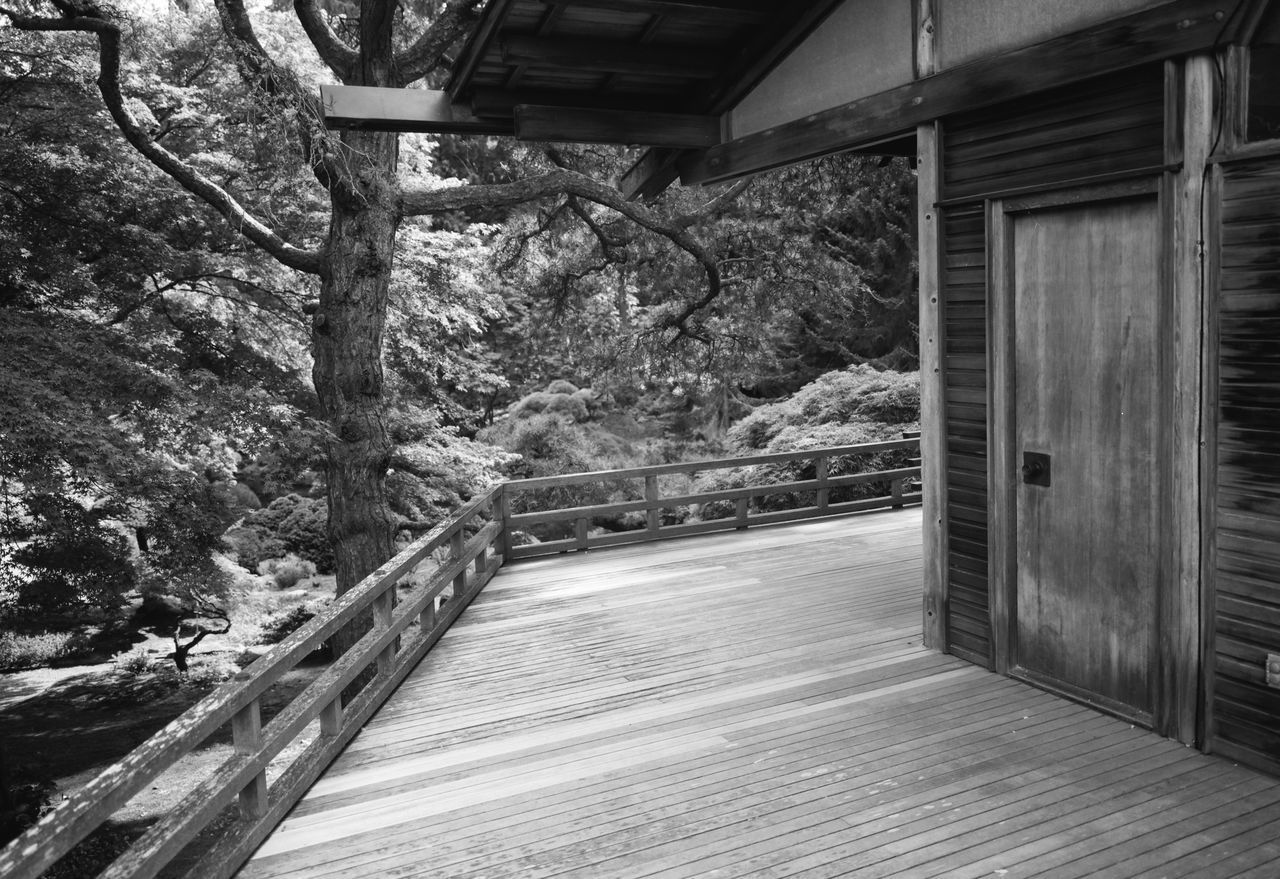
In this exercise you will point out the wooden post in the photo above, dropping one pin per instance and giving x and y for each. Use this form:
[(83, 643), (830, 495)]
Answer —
[(383, 605), (1180, 658), (824, 493), (653, 517), (895, 490), (427, 619), (502, 511), (246, 737), (933, 423), (743, 506), (581, 526), (456, 542), (331, 718)]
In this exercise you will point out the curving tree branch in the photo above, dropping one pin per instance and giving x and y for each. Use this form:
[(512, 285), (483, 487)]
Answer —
[(339, 57), (562, 181), (90, 19), (260, 72), (428, 51)]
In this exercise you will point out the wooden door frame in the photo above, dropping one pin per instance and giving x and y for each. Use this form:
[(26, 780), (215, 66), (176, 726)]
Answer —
[(1003, 462), (1182, 669)]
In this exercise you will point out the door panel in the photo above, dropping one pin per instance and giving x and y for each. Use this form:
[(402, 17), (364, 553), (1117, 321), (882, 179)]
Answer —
[(1086, 284)]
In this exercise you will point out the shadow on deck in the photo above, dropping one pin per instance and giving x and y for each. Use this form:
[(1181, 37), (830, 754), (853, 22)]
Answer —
[(752, 704)]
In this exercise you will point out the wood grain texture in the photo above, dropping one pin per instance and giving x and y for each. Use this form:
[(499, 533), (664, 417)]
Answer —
[(964, 318), (1086, 305), (753, 704), (933, 413), (1244, 713)]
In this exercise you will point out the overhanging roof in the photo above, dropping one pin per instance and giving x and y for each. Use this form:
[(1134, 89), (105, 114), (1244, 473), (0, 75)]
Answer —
[(647, 72), (656, 73)]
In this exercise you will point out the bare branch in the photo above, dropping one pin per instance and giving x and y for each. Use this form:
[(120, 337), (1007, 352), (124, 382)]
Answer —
[(108, 34), (339, 57), (563, 181), (429, 50)]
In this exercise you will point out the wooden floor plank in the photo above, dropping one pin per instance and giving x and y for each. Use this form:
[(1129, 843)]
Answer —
[(750, 704)]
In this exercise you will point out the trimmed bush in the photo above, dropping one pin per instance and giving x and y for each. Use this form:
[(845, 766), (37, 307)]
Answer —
[(288, 571)]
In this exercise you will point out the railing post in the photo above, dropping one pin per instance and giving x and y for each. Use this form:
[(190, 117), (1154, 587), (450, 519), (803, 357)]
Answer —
[(383, 605), (896, 487), (331, 718), (743, 505), (456, 542), (824, 493), (502, 512), (580, 528), (653, 516), (246, 737)]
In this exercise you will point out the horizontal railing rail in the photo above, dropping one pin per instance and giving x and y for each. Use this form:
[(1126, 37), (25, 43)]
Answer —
[(404, 627), (314, 727), (653, 502)]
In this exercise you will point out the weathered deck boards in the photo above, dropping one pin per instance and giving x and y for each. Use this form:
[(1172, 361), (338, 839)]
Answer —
[(752, 704)]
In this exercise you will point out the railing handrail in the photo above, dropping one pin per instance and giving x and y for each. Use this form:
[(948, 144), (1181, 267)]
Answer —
[(711, 464), (388, 647), (654, 502)]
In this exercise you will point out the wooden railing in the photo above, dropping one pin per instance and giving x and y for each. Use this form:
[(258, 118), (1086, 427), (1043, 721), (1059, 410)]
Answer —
[(404, 627), (318, 723), (652, 502)]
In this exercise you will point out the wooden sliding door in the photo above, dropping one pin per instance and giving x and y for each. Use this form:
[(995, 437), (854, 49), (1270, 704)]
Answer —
[(1084, 281)]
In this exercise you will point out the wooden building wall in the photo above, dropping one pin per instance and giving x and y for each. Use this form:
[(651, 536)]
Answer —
[(964, 319), (1103, 129), (1245, 562)]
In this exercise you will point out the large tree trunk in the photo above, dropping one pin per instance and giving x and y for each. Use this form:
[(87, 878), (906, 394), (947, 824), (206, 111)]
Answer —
[(348, 375)]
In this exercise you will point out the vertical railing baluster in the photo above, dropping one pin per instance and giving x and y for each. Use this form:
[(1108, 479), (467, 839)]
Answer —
[(744, 505), (580, 532), (331, 718), (246, 738), (653, 516), (456, 542), (896, 485), (502, 511), (824, 493), (383, 605)]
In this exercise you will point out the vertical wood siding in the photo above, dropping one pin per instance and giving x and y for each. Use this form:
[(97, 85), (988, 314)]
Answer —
[(964, 291), (1246, 624), (1104, 126)]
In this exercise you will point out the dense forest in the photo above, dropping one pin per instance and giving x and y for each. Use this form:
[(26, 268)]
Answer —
[(173, 444)]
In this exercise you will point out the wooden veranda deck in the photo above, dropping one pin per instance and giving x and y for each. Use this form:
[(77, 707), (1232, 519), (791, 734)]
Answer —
[(752, 704)]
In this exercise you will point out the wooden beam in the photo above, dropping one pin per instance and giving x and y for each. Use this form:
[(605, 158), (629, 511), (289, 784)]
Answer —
[(603, 56), (933, 410), (1179, 644), (727, 11), (392, 109), (652, 173), (616, 126), (1172, 29), (501, 102)]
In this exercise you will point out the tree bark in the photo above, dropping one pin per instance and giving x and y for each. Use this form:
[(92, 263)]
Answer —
[(347, 333)]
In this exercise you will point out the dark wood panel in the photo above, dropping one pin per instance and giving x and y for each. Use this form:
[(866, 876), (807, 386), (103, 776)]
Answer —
[(1104, 126), (1246, 613), (965, 333)]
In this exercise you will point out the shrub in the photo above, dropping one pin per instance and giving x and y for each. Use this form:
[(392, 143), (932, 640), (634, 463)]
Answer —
[(38, 649), (560, 386), (288, 571), (278, 626), (293, 524)]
